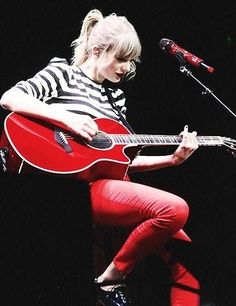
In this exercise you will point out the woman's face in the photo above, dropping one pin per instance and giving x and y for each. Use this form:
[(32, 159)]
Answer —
[(112, 68)]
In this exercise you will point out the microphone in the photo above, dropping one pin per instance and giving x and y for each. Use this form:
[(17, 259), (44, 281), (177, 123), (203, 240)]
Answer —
[(169, 46)]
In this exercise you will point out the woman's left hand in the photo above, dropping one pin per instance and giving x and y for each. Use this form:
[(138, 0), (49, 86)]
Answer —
[(188, 145)]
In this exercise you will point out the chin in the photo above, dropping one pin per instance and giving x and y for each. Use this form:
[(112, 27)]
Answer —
[(115, 80)]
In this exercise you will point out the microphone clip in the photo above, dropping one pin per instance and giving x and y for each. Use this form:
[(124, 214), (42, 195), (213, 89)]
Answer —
[(180, 59)]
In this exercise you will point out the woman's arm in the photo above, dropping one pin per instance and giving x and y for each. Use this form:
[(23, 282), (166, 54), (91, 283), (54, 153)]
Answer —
[(17, 101), (185, 149)]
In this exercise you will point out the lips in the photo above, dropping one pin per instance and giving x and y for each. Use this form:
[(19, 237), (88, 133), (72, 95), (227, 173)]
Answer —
[(119, 75)]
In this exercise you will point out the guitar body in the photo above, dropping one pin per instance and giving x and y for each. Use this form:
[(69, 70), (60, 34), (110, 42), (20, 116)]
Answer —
[(32, 147)]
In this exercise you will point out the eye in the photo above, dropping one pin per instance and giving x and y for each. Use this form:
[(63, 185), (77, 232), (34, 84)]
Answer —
[(122, 59)]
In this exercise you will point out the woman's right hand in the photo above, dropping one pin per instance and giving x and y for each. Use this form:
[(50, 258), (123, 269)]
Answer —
[(82, 125)]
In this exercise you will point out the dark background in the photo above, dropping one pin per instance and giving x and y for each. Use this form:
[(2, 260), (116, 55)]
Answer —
[(160, 100)]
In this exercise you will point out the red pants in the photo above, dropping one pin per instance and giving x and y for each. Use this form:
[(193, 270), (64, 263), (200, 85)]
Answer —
[(157, 216)]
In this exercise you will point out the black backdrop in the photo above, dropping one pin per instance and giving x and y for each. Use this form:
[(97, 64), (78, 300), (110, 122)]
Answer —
[(160, 100)]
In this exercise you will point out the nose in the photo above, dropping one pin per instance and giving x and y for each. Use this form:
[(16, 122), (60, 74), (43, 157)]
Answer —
[(126, 67)]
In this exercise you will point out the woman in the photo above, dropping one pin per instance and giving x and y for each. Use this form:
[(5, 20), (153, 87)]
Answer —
[(71, 95)]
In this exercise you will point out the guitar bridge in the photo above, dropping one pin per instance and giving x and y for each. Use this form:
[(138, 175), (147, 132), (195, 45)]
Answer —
[(61, 139)]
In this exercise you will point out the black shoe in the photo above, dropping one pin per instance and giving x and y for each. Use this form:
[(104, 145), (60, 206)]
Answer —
[(117, 296)]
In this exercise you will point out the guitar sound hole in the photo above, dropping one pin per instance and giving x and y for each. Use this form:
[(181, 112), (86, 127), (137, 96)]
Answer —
[(100, 141)]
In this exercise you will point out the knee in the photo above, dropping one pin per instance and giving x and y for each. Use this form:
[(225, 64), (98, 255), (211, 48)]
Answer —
[(175, 214), (181, 212)]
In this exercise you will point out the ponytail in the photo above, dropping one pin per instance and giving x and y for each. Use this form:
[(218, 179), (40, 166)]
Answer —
[(80, 45)]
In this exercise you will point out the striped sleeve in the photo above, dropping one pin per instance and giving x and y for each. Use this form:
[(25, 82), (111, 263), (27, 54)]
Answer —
[(46, 83)]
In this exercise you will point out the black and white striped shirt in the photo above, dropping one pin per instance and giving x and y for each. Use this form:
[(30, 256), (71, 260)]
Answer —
[(67, 87)]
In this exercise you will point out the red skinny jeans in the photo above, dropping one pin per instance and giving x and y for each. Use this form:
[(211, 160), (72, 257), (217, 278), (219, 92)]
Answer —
[(157, 216)]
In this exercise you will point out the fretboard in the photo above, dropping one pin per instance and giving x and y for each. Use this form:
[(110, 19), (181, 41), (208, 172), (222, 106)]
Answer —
[(154, 140)]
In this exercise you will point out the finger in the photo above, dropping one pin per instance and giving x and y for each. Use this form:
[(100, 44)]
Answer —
[(92, 124), (185, 130), (86, 135), (90, 130), (194, 140)]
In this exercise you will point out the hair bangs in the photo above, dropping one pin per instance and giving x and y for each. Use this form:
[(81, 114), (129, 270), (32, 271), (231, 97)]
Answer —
[(128, 47)]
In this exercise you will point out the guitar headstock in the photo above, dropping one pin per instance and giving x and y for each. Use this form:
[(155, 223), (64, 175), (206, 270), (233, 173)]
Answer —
[(230, 144)]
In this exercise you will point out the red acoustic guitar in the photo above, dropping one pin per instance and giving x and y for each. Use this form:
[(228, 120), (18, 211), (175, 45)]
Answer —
[(32, 144)]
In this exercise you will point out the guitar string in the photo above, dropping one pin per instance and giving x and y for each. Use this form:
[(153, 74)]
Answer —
[(168, 139)]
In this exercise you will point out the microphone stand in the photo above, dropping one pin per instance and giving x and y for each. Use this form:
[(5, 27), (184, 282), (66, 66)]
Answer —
[(206, 90)]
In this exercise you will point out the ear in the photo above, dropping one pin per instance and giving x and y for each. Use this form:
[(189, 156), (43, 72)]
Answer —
[(95, 51)]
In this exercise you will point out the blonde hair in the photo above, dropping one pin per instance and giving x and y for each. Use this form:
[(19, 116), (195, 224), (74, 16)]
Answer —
[(110, 33)]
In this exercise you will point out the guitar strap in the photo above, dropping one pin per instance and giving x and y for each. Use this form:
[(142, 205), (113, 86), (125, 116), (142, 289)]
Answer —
[(113, 104), (122, 118)]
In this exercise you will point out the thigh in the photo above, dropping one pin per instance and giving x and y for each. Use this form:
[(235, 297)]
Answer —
[(123, 203)]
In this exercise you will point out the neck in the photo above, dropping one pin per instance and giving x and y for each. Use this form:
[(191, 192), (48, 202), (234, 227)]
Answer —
[(91, 71)]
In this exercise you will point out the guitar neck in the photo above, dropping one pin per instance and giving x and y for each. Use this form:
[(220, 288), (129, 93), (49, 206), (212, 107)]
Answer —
[(154, 140)]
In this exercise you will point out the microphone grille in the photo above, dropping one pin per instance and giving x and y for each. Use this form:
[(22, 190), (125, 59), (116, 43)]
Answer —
[(165, 44)]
